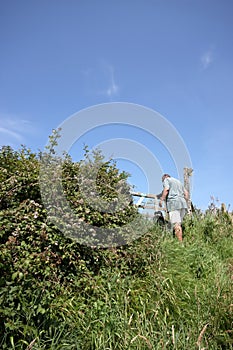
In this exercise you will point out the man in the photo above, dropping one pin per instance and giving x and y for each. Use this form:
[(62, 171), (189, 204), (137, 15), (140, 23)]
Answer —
[(176, 200)]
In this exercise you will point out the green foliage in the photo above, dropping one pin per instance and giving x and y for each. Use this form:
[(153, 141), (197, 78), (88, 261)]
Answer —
[(90, 200), (153, 293)]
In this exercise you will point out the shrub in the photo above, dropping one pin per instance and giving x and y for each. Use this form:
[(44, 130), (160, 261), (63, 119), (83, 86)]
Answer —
[(150, 293)]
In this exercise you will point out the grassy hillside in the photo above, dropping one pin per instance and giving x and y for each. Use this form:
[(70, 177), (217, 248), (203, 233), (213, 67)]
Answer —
[(154, 293)]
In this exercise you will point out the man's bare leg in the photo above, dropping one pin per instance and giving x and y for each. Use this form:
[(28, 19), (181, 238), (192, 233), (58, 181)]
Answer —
[(178, 231)]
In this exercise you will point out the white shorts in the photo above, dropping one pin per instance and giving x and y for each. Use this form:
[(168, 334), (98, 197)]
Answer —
[(176, 216)]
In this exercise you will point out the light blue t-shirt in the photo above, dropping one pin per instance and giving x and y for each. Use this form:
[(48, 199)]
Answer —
[(175, 198)]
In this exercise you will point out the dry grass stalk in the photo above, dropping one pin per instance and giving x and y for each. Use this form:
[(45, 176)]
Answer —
[(144, 338), (201, 334), (173, 335), (31, 344)]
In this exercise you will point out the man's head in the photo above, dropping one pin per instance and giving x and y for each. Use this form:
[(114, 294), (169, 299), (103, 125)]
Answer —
[(165, 176)]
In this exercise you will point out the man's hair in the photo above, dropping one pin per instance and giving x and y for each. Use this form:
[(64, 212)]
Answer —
[(164, 176)]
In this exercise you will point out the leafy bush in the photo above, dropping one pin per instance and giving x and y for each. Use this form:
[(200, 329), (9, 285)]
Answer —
[(152, 293)]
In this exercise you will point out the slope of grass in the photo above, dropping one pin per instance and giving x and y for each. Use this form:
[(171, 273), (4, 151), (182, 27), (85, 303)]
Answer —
[(153, 294)]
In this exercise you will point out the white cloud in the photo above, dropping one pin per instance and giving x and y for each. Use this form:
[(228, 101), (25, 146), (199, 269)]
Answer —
[(13, 130), (206, 59), (11, 133), (101, 81), (113, 88)]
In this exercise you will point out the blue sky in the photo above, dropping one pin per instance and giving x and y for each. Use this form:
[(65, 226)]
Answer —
[(172, 56)]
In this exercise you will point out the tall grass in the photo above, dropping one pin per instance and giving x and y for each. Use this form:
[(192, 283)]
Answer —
[(154, 294)]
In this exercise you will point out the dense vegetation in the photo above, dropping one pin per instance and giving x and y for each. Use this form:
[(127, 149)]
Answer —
[(152, 293)]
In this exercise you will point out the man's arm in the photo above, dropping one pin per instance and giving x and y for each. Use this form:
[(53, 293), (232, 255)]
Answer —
[(163, 196)]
